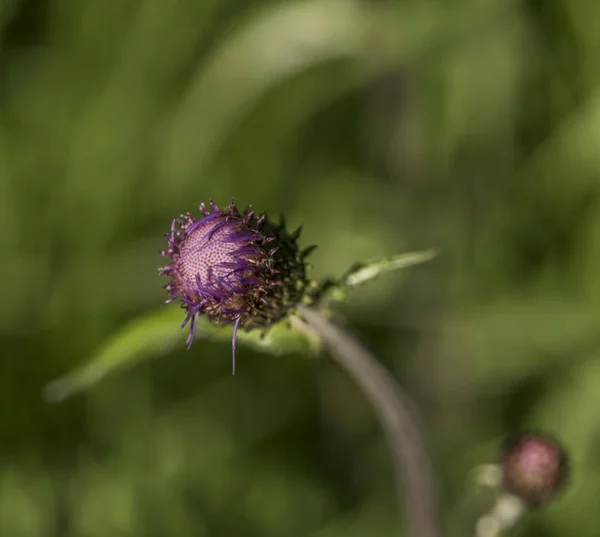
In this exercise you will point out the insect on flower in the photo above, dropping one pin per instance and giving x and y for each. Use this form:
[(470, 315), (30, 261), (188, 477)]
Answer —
[(235, 268)]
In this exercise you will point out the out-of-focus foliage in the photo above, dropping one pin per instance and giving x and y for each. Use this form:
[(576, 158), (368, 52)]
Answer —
[(382, 126)]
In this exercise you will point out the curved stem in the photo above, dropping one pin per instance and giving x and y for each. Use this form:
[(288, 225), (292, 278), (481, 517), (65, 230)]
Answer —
[(396, 413)]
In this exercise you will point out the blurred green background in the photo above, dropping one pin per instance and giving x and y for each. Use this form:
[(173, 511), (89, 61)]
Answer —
[(380, 125)]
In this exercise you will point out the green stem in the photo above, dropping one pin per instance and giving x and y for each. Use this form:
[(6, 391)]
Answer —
[(398, 417)]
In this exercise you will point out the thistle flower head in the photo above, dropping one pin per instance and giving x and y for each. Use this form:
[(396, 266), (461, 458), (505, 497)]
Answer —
[(534, 468), (234, 268)]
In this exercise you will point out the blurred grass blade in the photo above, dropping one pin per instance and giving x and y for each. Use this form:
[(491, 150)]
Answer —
[(284, 40), (508, 339), (278, 43), (159, 333), (572, 151)]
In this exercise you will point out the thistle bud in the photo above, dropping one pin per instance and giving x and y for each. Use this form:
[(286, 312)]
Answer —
[(234, 268), (534, 468)]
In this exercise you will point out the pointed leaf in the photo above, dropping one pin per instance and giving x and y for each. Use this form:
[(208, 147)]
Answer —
[(159, 333), (364, 272), (337, 291)]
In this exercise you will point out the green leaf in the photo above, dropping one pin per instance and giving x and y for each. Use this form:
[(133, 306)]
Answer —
[(337, 291), (148, 336), (159, 333), (361, 273)]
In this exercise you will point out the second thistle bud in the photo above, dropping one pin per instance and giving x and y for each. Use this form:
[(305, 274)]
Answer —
[(534, 468)]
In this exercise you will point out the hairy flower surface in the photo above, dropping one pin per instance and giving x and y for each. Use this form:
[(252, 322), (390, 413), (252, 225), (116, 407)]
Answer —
[(234, 268)]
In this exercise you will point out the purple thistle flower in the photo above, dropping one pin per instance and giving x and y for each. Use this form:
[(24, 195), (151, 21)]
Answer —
[(234, 268)]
